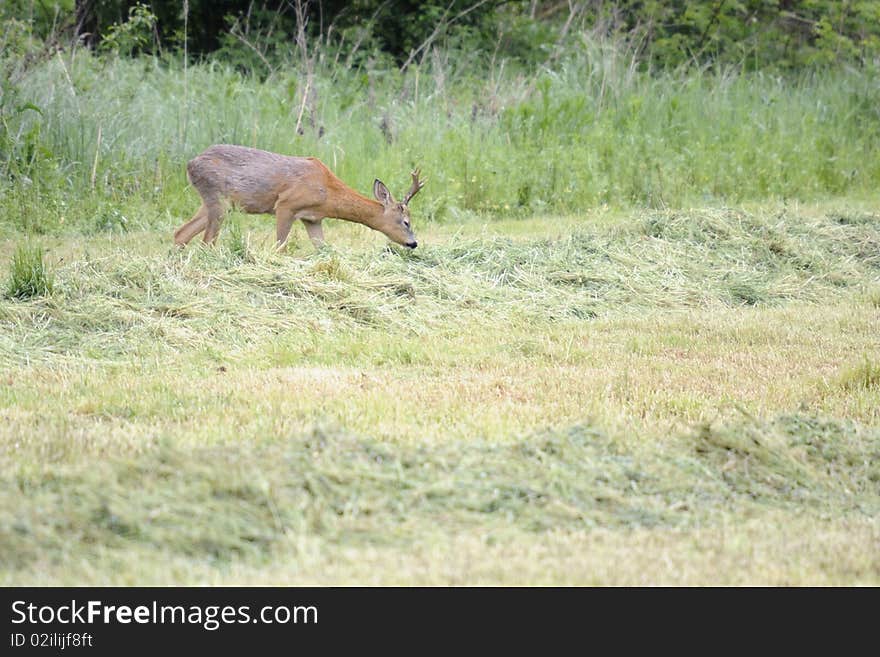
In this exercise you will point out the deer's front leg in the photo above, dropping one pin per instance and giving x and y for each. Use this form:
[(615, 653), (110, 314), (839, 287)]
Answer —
[(283, 222), (315, 231)]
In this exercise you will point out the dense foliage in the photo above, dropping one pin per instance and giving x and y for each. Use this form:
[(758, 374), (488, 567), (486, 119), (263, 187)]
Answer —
[(782, 34)]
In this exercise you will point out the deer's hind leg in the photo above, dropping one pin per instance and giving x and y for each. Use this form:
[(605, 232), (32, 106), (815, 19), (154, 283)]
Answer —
[(206, 219), (191, 228), (214, 212)]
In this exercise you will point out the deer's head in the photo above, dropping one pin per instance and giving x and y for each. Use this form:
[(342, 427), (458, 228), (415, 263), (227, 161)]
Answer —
[(395, 223)]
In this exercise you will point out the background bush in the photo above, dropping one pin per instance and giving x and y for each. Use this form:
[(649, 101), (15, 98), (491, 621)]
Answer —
[(757, 33)]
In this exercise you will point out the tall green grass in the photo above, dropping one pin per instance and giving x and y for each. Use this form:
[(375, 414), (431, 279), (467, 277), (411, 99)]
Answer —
[(591, 130), (29, 276)]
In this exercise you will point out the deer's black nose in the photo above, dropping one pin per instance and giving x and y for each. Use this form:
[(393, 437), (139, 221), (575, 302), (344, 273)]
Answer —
[(412, 244)]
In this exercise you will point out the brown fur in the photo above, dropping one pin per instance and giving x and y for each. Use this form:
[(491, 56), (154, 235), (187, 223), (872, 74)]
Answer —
[(291, 188)]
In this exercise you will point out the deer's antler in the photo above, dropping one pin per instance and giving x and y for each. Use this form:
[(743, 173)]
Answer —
[(416, 186)]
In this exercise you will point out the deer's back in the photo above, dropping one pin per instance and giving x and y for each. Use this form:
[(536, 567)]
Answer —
[(251, 178)]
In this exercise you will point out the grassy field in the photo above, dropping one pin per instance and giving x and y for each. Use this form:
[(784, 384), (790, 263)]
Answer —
[(638, 342), (611, 397)]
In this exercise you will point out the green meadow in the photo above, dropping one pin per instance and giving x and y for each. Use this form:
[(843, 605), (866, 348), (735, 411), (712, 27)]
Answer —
[(639, 342)]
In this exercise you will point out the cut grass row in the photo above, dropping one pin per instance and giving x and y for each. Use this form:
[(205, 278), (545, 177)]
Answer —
[(256, 503), (227, 300), (444, 416)]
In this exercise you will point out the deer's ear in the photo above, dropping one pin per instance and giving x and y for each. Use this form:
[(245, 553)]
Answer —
[(380, 191)]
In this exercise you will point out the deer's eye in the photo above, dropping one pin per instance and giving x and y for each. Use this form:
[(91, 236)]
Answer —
[(406, 223)]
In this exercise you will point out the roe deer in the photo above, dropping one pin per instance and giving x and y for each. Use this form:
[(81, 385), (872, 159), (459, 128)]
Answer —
[(292, 188)]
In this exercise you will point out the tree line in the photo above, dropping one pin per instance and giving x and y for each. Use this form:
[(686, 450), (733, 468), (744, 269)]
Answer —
[(783, 34)]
